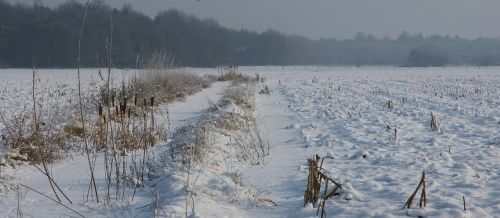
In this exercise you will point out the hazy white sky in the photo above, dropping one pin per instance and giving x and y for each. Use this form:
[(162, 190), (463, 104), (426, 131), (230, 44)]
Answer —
[(337, 18)]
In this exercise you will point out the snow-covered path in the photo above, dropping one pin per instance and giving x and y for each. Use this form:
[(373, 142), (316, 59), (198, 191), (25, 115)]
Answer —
[(277, 179), (72, 175), (190, 109)]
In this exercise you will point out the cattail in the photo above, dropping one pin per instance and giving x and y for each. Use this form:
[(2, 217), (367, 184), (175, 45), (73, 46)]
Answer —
[(123, 107), (100, 109), (434, 124)]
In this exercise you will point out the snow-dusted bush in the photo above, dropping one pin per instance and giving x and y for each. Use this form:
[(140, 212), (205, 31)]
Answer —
[(231, 118), (230, 73), (34, 141)]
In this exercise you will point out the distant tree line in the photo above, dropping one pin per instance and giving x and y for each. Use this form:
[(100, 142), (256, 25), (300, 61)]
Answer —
[(50, 36)]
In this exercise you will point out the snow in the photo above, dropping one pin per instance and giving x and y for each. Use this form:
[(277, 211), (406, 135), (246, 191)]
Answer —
[(376, 153), (382, 171), (72, 174)]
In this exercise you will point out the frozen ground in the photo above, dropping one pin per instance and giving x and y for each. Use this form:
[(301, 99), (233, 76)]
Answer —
[(72, 173), (334, 112), (340, 113), (56, 88)]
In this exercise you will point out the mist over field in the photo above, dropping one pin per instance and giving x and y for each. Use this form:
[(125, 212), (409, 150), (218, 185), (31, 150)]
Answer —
[(45, 33)]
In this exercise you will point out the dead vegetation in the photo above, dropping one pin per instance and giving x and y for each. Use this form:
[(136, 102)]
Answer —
[(230, 73), (389, 105), (265, 90), (27, 143), (316, 195), (119, 122), (157, 79), (36, 137), (423, 195), (315, 177), (239, 95), (228, 132), (434, 122), (232, 117), (166, 86), (33, 135), (247, 137)]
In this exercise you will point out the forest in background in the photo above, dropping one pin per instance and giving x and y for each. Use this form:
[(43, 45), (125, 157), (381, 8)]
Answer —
[(49, 35)]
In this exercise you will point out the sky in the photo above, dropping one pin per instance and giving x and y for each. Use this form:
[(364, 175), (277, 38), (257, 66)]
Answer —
[(336, 18)]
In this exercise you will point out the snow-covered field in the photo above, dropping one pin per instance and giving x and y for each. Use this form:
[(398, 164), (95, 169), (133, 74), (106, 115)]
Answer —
[(53, 87), (376, 149), (340, 113)]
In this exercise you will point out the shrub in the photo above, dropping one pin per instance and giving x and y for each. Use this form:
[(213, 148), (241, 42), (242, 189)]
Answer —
[(34, 142)]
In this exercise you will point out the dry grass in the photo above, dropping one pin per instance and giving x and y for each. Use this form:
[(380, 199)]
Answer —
[(160, 80), (232, 117), (265, 90), (165, 86), (239, 95), (230, 73), (315, 178), (73, 130), (25, 142), (434, 122)]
